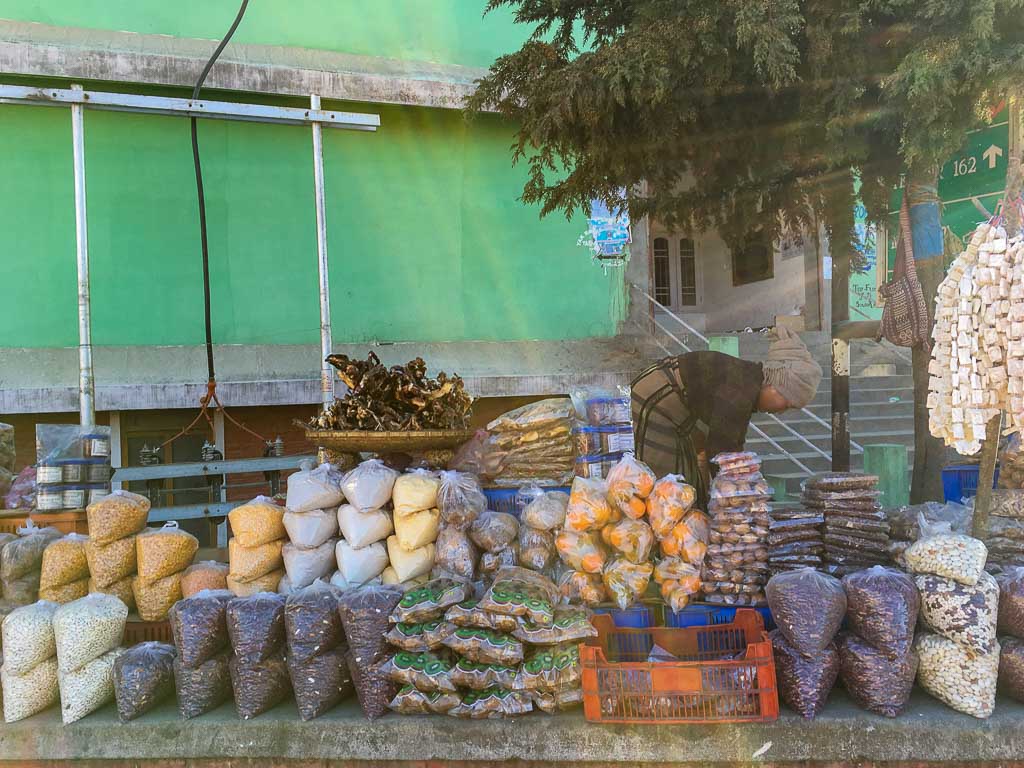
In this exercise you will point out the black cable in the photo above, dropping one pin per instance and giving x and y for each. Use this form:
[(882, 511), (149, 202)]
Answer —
[(202, 197)]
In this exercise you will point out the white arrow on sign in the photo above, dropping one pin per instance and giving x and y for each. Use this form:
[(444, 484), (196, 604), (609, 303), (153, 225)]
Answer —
[(992, 154)]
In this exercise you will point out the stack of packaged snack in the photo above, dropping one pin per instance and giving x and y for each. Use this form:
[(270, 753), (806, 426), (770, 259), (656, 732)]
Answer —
[(162, 555), (114, 521), (365, 523), (856, 533), (461, 500), (605, 432), (311, 522), (534, 443), (736, 566), (255, 551), (498, 656), (21, 562), (795, 539)]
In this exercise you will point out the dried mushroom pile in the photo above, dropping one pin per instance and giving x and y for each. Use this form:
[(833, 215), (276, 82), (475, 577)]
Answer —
[(397, 399)]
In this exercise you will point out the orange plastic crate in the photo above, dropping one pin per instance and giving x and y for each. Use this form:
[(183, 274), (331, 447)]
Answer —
[(725, 674), (71, 521)]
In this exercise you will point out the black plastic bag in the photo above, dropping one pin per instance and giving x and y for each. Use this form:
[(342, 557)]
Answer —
[(877, 683), (256, 626), (881, 607), (259, 687), (143, 677), (365, 615), (320, 683), (374, 687), (205, 688), (804, 681), (198, 626), (311, 620), (808, 608)]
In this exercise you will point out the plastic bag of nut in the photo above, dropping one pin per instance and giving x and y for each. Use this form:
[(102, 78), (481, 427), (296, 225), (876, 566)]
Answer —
[(943, 553), (957, 676), (805, 681), (205, 688), (321, 682), (198, 626), (882, 605), (808, 608), (259, 687), (256, 626), (143, 677), (312, 622), (965, 615), (1011, 668), (1011, 602), (374, 687), (365, 615), (877, 682)]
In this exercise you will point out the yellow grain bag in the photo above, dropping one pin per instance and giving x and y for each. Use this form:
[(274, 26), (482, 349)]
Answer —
[(116, 515), (267, 583), (417, 529), (155, 599), (164, 551), (122, 590), (113, 562), (64, 562), (415, 491), (258, 522), (65, 593), (249, 563), (409, 565)]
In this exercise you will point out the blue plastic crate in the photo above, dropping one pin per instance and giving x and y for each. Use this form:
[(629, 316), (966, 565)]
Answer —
[(960, 481), (699, 615), (509, 500), (636, 617)]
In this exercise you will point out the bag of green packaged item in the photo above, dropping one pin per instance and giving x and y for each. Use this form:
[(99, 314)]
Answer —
[(468, 613), (521, 592), (410, 701), (430, 601), (417, 638), (550, 669), (571, 623), (556, 702), (478, 677), (427, 671), (485, 646), (491, 704)]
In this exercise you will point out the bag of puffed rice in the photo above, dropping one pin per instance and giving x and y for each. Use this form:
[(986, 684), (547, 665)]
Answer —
[(84, 690), (87, 629)]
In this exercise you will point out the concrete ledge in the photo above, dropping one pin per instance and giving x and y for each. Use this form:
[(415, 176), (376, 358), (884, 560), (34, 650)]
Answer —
[(928, 733)]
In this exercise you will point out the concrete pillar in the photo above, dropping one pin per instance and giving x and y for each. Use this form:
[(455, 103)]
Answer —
[(891, 465)]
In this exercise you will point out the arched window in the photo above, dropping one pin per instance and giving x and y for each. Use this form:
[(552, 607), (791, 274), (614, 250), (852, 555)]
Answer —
[(662, 282), (687, 273)]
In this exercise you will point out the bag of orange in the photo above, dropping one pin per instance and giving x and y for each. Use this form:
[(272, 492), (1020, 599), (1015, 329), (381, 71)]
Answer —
[(688, 539), (627, 582), (588, 508), (634, 539), (668, 503), (679, 581), (581, 551), (630, 482)]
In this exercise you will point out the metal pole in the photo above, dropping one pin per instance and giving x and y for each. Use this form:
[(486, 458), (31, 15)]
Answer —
[(326, 344), (86, 382)]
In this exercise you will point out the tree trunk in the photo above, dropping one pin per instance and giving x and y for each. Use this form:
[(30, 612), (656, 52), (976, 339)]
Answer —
[(926, 230)]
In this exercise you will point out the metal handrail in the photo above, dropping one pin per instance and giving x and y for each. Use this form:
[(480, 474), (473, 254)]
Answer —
[(756, 428)]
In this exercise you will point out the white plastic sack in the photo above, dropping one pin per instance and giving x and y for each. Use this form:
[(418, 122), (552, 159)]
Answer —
[(284, 586), (311, 529), (25, 695), (369, 485), (417, 529), (409, 565), (87, 628), (304, 566), (85, 690), (361, 529), (311, 489), (358, 566), (28, 637), (415, 491)]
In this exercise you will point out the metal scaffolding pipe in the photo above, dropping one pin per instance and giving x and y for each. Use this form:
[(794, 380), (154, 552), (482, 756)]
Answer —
[(86, 381), (326, 343)]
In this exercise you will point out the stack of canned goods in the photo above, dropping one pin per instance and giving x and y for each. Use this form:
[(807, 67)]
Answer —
[(75, 482), (607, 435)]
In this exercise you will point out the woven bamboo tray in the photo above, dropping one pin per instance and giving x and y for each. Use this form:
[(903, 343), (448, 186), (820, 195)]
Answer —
[(388, 442)]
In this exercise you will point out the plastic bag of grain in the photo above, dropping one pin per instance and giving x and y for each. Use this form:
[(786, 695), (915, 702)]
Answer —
[(256, 626), (943, 553), (23, 591), (369, 486), (24, 556), (259, 687), (116, 515), (64, 561), (206, 574), (965, 614), (143, 677), (417, 529), (460, 499), (374, 687), (957, 676), (415, 491), (30, 693), (358, 566), (203, 689), (310, 488), (410, 565), (122, 590), (321, 682), (257, 522), (249, 563), (164, 551), (365, 615), (86, 689), (874, 680), (361, 529), (312, 621), (271, 582), (28, 637), (881, 607), (304, 566), (805, 681), (153, 601), (87, 629), (199, 627), (311, 529), (65, 593), (113, 562), (808, 608)]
